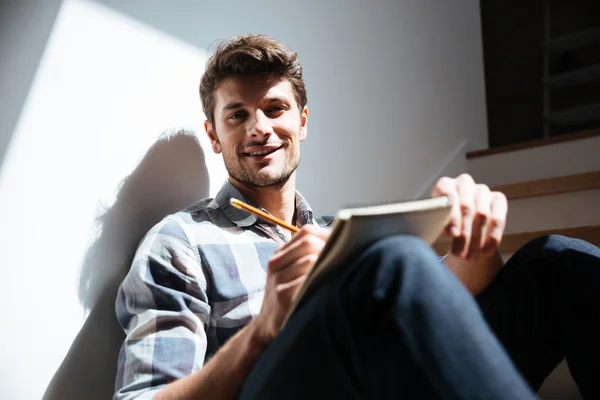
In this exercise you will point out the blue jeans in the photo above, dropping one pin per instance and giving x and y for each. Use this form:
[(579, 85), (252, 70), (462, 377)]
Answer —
[(398, 324), (545, 306)]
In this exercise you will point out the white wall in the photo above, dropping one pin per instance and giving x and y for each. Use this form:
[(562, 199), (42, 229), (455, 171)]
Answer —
[(86, 172), (20, 52), (395, 88)]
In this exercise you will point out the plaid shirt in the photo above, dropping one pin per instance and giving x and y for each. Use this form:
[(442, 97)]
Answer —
[(197, 277)]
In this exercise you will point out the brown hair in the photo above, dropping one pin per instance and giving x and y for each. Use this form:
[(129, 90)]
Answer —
[(250, 54)]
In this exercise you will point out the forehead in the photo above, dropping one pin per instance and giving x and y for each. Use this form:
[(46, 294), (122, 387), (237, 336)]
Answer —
[(251, 89)]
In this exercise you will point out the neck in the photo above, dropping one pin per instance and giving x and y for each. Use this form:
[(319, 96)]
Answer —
[(279, 200)]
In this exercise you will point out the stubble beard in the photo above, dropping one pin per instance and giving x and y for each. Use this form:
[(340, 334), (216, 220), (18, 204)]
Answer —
[(259, 179)]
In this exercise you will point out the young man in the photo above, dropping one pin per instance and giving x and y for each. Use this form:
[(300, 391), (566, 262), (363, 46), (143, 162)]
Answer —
[(209, 286)]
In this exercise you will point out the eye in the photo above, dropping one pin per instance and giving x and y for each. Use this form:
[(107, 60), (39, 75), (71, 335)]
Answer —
[(237, 115), (276, 110)]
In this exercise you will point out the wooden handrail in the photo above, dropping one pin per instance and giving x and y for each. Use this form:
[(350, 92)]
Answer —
[(534, 143)]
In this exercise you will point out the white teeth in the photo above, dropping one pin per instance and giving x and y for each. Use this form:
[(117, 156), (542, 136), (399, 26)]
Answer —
[(260, 153)]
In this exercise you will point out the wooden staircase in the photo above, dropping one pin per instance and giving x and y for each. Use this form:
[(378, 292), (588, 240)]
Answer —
[(553, 187), (514, 241), (587, 181)]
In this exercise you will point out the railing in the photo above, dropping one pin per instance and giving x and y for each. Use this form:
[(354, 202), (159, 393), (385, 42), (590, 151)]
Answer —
[(573, 116)]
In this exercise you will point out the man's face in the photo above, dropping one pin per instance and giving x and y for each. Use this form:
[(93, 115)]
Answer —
[(258, 128)]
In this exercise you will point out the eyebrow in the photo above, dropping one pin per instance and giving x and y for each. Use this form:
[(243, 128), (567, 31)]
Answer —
[(273, 99), (232, 106)]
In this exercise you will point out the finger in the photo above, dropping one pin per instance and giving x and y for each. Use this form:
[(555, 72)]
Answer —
[(466, 194), (447, 187), (316, 230), (321, 232), (496, 223), (296, 269), (483, 201), (302, 245), (288, 289), (306, 230), (296, 236)]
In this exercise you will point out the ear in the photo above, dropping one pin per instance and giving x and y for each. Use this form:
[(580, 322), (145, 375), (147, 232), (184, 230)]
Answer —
[(212, 136), (303, 124)]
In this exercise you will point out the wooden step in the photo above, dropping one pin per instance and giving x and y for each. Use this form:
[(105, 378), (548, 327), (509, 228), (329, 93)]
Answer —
[(535, 143), (564, 156), (562, 210), (541, 187), (514, 241)]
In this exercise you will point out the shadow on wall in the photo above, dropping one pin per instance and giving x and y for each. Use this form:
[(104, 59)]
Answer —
[(171, 176)]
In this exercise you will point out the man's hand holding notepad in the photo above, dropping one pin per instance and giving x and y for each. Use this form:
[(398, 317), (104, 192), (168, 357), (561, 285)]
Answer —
[(355, 229)]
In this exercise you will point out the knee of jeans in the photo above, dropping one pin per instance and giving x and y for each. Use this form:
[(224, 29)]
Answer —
[(387, 267), (402, 246), (404, 252), (396, 266), (550, 244)]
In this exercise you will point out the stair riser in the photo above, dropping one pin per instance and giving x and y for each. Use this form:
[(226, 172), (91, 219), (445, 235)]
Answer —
[(546, 212), (559, 159), (564, 210)]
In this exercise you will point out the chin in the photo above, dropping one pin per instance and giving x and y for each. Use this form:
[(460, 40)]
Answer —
[(266, 180), (272, 178), (262, 176)]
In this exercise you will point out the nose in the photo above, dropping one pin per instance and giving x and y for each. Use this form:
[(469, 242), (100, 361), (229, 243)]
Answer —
[(260, 125)]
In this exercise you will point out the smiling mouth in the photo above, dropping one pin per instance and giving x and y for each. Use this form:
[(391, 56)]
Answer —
[(262, 152)]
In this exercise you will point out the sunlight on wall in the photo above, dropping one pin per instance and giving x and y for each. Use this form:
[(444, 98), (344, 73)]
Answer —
[(106, 87)]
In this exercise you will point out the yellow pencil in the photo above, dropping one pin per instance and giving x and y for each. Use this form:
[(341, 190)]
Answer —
[(263, 215)]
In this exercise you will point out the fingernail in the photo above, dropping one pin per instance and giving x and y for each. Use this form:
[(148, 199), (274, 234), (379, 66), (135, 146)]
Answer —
[(454, 230)]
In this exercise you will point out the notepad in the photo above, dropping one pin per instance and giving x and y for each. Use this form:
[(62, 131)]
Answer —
[(356, 228)]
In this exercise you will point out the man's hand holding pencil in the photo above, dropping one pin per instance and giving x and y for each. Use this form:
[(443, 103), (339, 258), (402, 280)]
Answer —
[(286, 270)]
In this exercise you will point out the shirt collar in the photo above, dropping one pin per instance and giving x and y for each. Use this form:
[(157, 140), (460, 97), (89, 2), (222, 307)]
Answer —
[(304, 213)]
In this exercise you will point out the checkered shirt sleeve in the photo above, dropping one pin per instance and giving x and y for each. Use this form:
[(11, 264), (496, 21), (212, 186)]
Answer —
[(163, 307)]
